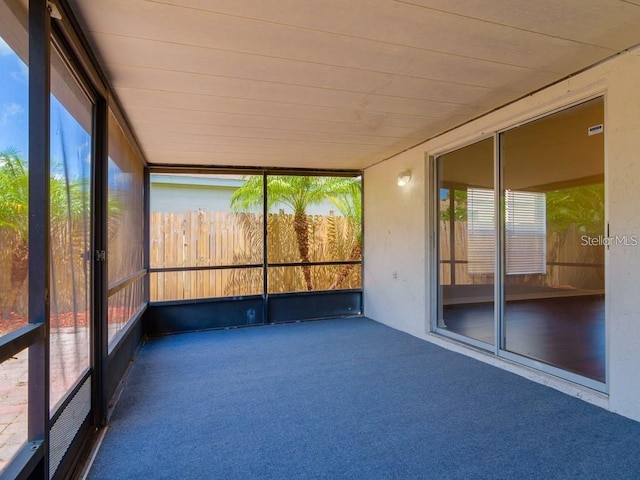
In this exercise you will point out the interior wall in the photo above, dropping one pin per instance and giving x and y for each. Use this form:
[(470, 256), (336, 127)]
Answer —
[(395, 224)]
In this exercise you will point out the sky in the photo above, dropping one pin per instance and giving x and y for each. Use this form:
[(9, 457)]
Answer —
[(14, 95), (70, 143)]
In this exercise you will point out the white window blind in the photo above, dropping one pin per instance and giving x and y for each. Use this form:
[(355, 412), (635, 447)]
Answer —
[(480, 231), (525, 232)]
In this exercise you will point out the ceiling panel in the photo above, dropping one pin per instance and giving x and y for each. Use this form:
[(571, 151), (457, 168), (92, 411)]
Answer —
[(313, 23), (191, 59), (594, 22), (231, 131), (210, 120), (187, 82), (337, 83), (192, 102), (185, 26)]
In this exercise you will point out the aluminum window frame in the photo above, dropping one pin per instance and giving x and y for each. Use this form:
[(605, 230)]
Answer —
[(265, 265), (498, 349)]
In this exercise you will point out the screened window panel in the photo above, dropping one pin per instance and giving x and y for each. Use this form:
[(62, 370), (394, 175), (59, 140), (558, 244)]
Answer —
[(14, 165), (323, 277), (200, 220), (14, 208), (125, 206), (14, 381), (125, 227), (314, 218), (70, 210), (123, 305), (218, 283)]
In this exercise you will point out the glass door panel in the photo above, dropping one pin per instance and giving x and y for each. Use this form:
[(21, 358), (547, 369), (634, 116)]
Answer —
[(466, 242), (553, 193)]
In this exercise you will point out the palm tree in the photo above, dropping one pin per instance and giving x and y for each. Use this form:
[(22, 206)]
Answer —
[(14, 216), (347, 197), (67, 201), (295, 192), (579, 207), (571, 214)]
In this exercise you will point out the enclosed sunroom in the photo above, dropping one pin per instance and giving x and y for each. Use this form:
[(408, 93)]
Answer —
[(464, 172)]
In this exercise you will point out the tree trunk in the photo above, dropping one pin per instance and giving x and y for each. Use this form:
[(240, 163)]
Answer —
[(356, 252), (301, 227), (19, 272)]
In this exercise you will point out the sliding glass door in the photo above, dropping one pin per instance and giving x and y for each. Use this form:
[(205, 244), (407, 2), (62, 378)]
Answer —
[(553, 192), (466, 242), (547, 307)]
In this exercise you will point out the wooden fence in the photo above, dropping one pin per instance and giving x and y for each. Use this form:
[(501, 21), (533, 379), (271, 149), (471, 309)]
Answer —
[(201, 238), (570, 264), (70, 275), (205, 239)]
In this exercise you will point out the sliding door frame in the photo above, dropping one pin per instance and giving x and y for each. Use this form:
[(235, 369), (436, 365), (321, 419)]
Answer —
[(434, 256), (433, 226)]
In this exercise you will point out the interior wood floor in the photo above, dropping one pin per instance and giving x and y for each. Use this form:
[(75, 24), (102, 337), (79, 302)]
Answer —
[(566, 332)]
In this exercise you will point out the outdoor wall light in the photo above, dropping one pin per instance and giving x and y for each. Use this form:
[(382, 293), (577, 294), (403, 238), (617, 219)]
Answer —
[(404, 178)]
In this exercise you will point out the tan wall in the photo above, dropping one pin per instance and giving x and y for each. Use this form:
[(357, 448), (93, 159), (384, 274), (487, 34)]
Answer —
[(394, 243)]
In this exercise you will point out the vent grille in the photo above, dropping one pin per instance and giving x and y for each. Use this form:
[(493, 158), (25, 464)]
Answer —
[(66, 427)]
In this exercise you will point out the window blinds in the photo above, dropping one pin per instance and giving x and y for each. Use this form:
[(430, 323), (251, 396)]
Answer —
[(480, 231), (525, 232)]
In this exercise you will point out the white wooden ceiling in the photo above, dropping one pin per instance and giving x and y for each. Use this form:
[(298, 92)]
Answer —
[(333, 83)]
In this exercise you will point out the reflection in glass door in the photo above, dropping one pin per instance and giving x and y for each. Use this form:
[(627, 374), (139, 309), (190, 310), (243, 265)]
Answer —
[(548, 308), (553, 191), (466, 242)]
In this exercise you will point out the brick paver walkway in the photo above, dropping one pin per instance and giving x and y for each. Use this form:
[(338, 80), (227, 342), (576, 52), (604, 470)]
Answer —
[(69, 359)]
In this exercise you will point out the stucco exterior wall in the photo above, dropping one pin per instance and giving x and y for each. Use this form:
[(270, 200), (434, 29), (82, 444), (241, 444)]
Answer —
[(394, 243), (397, 227)]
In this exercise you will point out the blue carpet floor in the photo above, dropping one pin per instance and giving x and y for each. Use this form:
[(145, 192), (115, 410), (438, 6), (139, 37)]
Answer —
[(348, 399)]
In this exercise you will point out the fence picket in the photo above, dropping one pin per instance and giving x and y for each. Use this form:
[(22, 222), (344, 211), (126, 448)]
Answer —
[(205, 238)]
